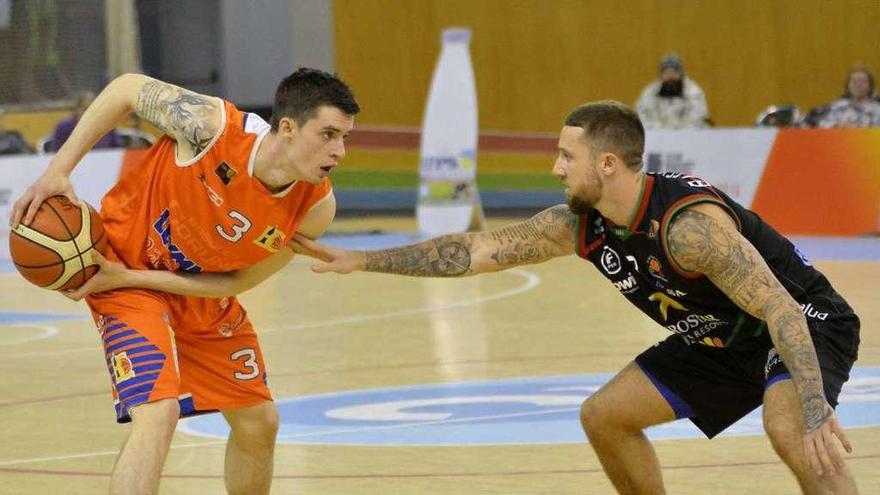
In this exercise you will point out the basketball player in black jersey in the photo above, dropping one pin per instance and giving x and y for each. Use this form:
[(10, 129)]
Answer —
[(752, 321)]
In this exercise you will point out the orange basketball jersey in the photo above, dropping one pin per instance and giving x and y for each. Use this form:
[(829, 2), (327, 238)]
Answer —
[(208, 213)]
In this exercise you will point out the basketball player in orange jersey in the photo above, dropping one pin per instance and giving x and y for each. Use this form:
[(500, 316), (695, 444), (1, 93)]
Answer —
[(206, 215)]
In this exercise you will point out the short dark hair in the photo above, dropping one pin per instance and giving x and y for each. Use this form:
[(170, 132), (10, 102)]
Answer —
[(301, 94), (613, 127)]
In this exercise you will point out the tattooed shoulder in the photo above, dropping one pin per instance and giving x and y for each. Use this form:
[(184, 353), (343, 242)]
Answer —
[(689, 239), (697, 241), (187, 116)]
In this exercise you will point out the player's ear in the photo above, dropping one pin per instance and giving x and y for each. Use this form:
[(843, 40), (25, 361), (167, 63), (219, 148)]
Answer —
[(287, 127), (609, 162)]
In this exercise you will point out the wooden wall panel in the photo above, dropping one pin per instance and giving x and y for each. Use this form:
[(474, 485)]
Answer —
[(535, 60)]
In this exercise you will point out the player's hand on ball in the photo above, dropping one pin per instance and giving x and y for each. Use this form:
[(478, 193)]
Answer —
[(49, 184), (335, 260), (110, 276)]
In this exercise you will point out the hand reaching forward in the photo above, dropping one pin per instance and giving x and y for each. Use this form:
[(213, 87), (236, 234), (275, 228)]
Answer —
[(335, 260), (820, 447)]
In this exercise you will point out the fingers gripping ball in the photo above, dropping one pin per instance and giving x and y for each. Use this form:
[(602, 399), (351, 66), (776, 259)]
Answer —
[(54, 251)]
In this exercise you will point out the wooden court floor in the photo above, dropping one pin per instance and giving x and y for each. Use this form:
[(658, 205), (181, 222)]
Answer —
[(324, 334)]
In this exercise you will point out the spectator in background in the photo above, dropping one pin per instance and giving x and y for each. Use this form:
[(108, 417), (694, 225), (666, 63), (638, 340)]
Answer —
[(674, 101), (858, 107), (12, 142), (65, 126)]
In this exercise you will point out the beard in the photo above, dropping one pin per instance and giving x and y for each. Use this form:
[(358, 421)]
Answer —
[(577, 205)]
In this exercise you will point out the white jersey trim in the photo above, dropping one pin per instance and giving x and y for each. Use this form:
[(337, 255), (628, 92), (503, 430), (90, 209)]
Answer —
[(326, 196), (258, 126), (281, 194)]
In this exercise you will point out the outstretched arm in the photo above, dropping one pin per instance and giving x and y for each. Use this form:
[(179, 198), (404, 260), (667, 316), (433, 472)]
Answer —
[(190, 118), (546, 235), (703, 238)]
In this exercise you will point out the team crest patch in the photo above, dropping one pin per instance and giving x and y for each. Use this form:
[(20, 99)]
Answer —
[(655, 268), (272, 239), (225, 172), (122, 368)]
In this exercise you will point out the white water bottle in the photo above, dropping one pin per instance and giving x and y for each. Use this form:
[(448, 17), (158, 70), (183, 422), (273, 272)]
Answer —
[(448, 196)]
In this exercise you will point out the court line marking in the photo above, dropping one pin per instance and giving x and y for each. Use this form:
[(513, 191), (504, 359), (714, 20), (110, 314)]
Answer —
[(354, 369), (101, 453), (47, 333), (472, 474), (531, 281), (183, 428), (39, 400), (50, 353)]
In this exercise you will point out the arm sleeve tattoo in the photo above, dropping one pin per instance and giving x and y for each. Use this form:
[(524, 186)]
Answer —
[(546, 235), (701, 243), (187, 116)]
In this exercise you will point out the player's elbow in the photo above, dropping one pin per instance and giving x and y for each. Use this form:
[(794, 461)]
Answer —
[(782, 315), (126, 87)]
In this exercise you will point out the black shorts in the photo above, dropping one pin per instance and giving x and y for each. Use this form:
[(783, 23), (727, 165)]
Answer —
[(715, 387)]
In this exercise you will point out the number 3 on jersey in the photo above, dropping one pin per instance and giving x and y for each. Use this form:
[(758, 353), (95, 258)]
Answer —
[(240, 225), (250, 363)]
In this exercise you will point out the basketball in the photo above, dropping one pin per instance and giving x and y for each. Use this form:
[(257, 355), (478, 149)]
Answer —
[(54, 251)]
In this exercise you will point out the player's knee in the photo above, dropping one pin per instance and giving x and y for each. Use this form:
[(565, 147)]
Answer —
[(783, 433), (594, 416), (260, 422), (158, 418)]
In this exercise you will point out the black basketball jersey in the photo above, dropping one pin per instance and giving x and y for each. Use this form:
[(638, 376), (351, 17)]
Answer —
[(635, 259)]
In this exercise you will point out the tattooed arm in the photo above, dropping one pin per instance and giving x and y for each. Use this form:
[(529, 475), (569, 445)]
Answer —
[(546, 235), (190, 118), (704, 238)]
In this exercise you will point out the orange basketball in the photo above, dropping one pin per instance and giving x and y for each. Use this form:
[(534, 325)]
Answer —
[(55, 250)]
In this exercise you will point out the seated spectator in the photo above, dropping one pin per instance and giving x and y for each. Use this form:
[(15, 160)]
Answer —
[(858, 107), (65, 126), (12, 142), (674, 101)]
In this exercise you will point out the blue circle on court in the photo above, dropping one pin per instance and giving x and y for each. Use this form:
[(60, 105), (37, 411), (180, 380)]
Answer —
[(537, 410)]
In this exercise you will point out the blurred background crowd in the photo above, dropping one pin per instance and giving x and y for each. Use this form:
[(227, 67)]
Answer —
[(681, 64)]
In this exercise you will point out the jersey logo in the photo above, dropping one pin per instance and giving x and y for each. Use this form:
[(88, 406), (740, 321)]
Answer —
[(215, 198), (665, 303), (272, 239), (162, 226), (656, 269), (225, 172), (122, 368), (813, 313), (610, 261), (627, 285)]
